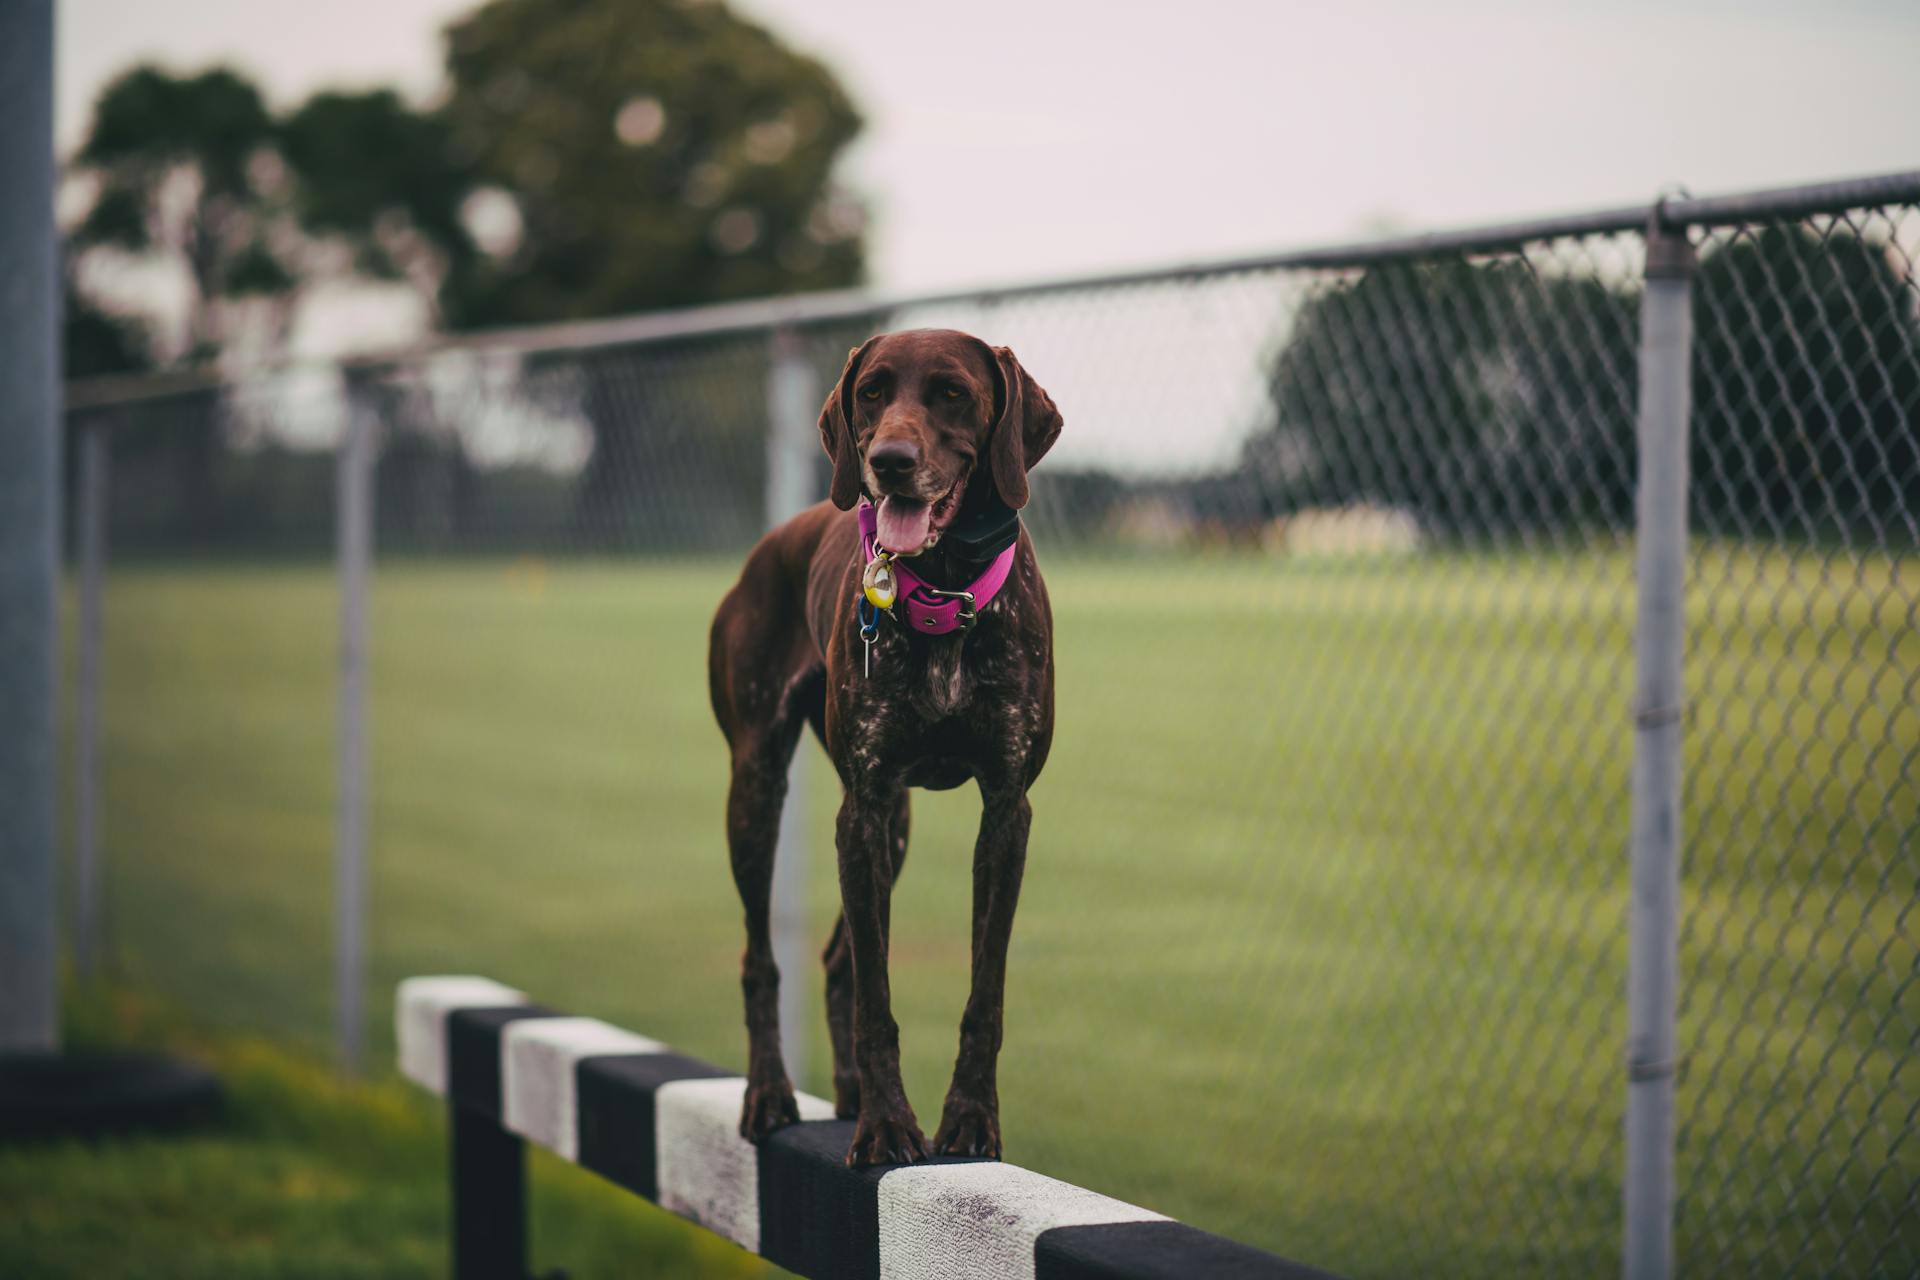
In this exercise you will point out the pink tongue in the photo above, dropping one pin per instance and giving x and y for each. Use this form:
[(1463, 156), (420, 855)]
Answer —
[(901, 524)]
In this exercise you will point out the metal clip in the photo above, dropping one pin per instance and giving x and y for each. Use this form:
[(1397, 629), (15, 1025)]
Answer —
[(1640, 1072), (869, 630), (1657, 717)]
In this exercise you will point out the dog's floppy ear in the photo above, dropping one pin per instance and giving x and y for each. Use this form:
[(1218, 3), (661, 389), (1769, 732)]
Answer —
[(1025, 428), (836, 432)]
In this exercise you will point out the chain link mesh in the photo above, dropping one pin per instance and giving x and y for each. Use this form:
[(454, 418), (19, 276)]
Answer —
[(1798, 949), (1323, 941)]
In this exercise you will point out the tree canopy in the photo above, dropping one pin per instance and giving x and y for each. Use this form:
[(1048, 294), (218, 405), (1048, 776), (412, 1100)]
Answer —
[(588, 157), (658, 154), (1806, 384), (1496, 400), (175, 168), (1484, 396), (382, 179)]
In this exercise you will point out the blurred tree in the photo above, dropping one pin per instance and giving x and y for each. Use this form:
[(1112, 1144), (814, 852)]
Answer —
[(591, 157), (631, 155), (657, 154), (180, 170), (382, 179), (1487, 397), (1806, 389), (182, 167)]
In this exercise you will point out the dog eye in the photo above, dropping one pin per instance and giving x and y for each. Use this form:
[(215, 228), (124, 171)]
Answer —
[(869, 393), (953, 393)]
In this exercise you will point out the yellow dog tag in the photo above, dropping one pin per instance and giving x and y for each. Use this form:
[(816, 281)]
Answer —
[(879, 582)]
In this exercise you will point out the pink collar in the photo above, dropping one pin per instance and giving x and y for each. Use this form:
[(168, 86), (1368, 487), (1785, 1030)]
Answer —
[(930, 610)]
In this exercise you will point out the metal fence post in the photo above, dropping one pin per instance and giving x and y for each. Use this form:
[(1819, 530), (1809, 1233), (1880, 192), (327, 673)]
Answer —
[(94, 450), (1660, 539), (793, 401), (354, 548), (29, 504)]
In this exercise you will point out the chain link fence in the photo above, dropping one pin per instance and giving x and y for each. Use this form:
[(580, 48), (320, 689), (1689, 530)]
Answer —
[(1324, 942)]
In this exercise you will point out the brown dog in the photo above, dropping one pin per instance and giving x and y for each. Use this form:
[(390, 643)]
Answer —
[(937, 430)]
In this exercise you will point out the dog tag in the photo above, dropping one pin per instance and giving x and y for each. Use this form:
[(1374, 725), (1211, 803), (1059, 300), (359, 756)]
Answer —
[(879, 583), (866, 654)]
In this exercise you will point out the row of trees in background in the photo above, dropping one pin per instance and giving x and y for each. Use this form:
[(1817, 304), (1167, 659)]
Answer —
[(1485, 400), (586, 157), (589, 157), (1494, 400)]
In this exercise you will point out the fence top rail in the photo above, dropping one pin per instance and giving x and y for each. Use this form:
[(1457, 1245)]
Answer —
[(763, 314)]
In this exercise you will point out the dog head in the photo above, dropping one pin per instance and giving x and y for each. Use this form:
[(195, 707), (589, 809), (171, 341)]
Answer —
[(920, 416)]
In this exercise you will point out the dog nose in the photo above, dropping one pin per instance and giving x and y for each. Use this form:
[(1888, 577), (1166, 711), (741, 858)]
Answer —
[(893, 459)]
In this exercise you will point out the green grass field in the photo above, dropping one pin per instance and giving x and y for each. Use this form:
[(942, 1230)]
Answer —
[(307, 1176), (1322, 942)]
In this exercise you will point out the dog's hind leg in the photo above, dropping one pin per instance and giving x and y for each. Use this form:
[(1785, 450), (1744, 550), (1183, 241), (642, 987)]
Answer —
[(839, 963), (765, 681), (758, 790)]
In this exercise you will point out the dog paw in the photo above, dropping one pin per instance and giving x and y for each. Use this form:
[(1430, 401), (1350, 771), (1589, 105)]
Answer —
[(968, 1128), (893, 1139), (767, 1107)]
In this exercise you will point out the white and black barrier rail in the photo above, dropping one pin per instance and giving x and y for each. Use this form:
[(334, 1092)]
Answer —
[(665, 1126)]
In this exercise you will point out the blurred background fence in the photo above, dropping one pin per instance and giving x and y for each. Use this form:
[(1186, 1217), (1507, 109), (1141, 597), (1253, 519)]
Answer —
[(1333, 848)]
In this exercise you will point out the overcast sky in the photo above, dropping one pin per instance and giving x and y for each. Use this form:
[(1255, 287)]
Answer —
[(1016, 137)]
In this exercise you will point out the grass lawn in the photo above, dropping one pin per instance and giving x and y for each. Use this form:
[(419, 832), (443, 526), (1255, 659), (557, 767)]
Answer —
[(306, 1176), (1322, 942)]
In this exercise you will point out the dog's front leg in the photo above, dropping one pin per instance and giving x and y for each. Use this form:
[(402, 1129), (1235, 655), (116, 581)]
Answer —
[(886, 1132), (970, 1122)]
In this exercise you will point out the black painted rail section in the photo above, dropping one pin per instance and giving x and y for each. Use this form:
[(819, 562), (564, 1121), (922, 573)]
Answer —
[(664, 1126)]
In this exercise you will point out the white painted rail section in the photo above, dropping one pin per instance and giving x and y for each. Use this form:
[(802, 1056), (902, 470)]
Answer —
[(981, 1221), (539, 1097), (706, 1170), (420, 1020)]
